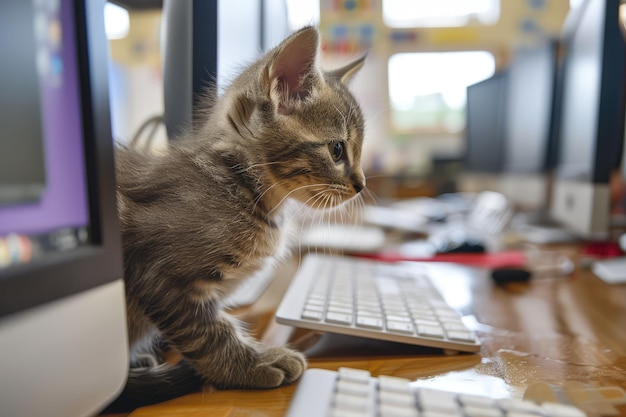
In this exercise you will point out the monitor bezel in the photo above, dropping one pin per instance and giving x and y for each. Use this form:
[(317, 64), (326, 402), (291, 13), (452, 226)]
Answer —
[(99, 262)]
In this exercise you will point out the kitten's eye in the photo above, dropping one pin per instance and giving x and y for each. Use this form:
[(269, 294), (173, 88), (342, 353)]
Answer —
[(337, 150)]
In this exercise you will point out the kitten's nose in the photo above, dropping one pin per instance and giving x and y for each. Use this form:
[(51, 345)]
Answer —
[(358, 184)]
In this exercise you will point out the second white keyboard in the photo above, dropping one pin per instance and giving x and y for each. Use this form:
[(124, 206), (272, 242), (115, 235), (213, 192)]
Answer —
[(354, 393), (360, 297)]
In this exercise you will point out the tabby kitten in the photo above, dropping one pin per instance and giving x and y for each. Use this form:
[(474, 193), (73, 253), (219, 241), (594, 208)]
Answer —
[(209, 213)]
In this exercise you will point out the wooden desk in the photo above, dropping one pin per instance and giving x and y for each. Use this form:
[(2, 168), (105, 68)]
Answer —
[(551, 330)]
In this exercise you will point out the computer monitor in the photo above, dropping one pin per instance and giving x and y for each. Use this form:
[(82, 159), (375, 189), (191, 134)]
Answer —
[(205, 45), (485, 121), (484, 133), (592, 119), (63, 332), (531, 125)]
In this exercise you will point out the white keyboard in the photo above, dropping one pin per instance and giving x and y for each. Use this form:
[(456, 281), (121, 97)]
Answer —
[(360, 297), (354, 393), (343, 237)]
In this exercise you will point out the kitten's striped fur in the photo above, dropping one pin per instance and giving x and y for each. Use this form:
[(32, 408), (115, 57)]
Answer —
[(208, 214)]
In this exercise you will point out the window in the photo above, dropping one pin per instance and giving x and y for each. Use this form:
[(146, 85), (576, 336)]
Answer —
[(439, 13), (116, 21), (427, 91), (302, 13)]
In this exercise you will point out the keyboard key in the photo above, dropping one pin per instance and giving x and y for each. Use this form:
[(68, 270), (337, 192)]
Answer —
[(433, 413), (431, 331), (312, 315), (477, 401), (422, 322), (314, 307), (349, 387), (340, 318), (464, 336), (349, 402), (338, 308), (339, 412), (475, 411), (453, 325), (369, 322), (355, 375), (396, 411), (396, 398), (366, 304), (316, 301), (422, 314), (370, 313), (446, 312), (395, 384), (400, 318), (399, 327), (439, 401), (340, 303)]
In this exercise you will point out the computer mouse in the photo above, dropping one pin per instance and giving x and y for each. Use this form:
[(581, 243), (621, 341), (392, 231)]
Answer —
[(438, 218), (465, 246), (505, 275)]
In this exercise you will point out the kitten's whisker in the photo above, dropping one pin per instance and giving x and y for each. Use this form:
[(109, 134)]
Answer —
[(329, 188), (302, 205), (371, 195), (335, 221), (329, 202), (323, 205), (262, 195), (373, 116), (377, 176), (293, 191), (362, 206)]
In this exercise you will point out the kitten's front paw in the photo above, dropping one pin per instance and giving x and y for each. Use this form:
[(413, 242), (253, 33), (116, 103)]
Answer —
[(277, 366)]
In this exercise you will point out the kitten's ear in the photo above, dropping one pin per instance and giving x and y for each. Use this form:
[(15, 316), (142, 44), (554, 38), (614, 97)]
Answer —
[(346, 73), (292, 70)]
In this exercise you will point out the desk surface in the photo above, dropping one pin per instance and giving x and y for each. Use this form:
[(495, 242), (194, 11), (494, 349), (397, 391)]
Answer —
[(550, 330)]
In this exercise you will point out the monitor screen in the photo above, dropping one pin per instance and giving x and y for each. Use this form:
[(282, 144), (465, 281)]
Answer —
[(530, 110), (44, 138), (484, 131), (22, 169)]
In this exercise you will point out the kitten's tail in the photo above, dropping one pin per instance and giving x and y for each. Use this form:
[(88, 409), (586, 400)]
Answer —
[(150, 385)]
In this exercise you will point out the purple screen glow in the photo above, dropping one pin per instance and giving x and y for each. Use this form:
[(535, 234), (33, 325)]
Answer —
[(64, 202)]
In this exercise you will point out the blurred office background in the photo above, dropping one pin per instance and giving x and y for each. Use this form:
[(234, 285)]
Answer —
[(422, 56)]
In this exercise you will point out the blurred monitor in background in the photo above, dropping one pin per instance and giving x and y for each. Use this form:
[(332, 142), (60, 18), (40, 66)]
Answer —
[(592, 119), (206, 43), (485, 125), (531, 125), (483, 158)]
